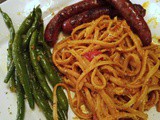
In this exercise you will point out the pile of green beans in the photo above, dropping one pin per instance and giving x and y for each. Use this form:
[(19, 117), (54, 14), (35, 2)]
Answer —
[(30, 68)]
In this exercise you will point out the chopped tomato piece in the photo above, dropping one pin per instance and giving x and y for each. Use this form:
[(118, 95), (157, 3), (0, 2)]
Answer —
[(90, 55)]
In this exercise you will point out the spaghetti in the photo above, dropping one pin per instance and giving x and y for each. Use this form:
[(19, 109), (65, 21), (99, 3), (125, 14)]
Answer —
[(112, 75)]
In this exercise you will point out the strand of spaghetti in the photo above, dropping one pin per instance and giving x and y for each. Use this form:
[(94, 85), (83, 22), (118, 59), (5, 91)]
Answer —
[(109, 102), (96, 34), (135, 39), (153, 88), (64, 55), (108, 45), (81, 84), (68, 71), (142, 105), (120, 71), (137, 67), (81, 80), (104, 110), (138, 113), (117, 81), (78, 66), (89, 99), (126, 50), (89, 69), (126, 115), (79, 58), (103, 80), (112, 35), (90, 29), (70, 81), (64, 61), (110, 69), (55, 114), (103, 25), (109, 34), (79, 28), (154, 69), (78, 48), (98, 106), (141, 97), (62, 44), (90, 47), (152, 46), (143, 68), (76, 111), (157, 74), (105, 34), (89, 85), (131, 101), (56, 50), (135, 85), (154, 98), (129, 42), (80, 35)]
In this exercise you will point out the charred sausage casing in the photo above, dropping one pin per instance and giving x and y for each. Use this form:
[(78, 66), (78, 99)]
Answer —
[(53, 28), (85, 17), (134, 19)]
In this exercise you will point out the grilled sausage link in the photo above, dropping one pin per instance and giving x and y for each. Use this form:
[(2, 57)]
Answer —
[(134, 19), (140, 9), (92, 14), (53, 28), (85, 17)]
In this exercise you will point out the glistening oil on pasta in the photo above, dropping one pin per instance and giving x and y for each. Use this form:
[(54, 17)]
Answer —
[(121, 81)]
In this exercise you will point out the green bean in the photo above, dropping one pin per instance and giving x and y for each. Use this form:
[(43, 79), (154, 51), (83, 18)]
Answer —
[(38, 92), (25, 44), (10, 72), (37, 68), (52, 75), (61, 114), (46, 48), (20, 99), (44, 44), (35, 24), (19, 62), (27, 23), (11, 29), (54, 79), (39, 72), (42, 102)]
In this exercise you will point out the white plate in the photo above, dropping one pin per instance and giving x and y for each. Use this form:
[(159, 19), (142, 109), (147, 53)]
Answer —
[(18, 10)]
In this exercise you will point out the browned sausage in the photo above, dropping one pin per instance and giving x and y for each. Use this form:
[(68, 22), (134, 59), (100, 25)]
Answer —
[(86, 16), (134, 19), (92, 14), (140, 9), (53, 28)]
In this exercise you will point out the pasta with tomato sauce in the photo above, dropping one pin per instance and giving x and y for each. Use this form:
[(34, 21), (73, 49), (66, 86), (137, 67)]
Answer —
[(107, 71)]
